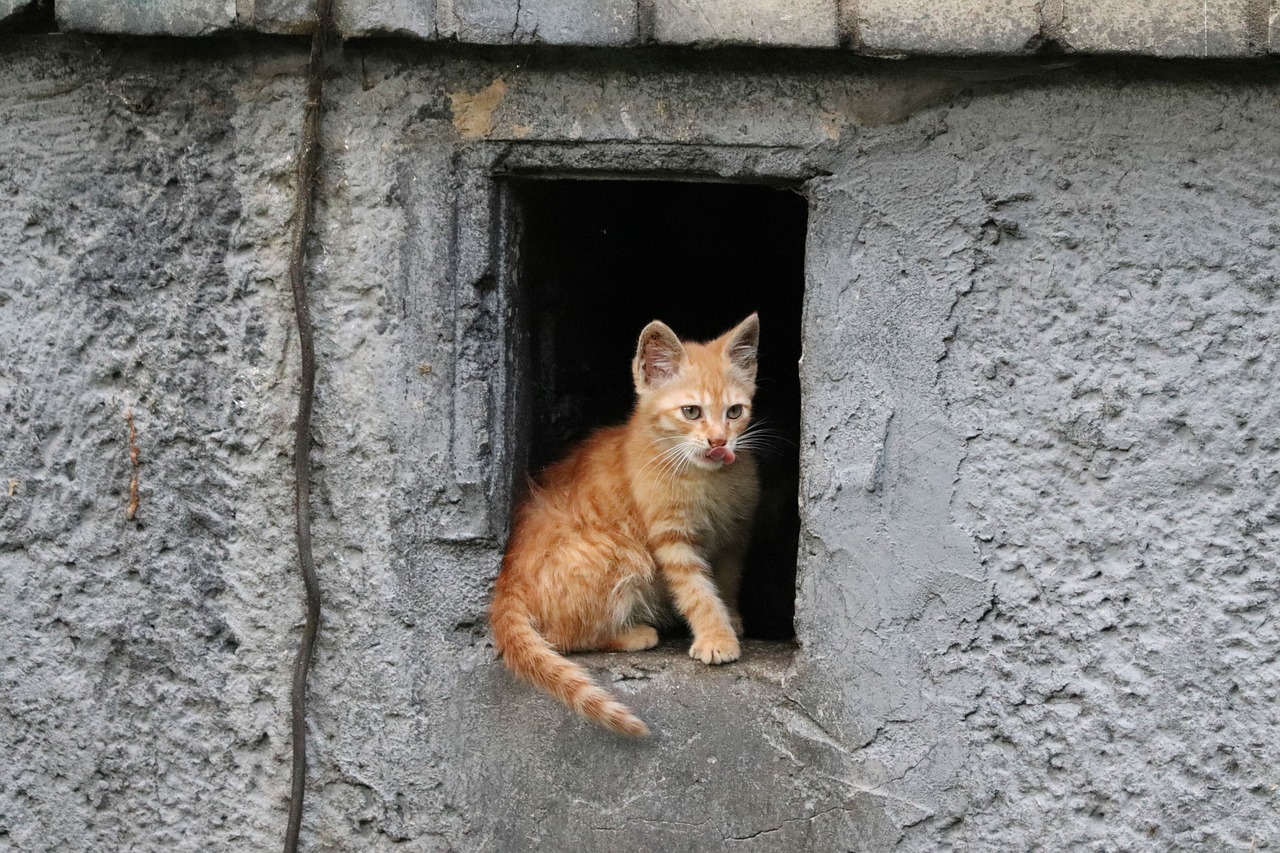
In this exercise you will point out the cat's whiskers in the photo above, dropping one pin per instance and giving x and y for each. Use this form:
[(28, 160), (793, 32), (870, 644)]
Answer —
[(664, 472), (662, 456), (760, 438), (675, 464), (680, 460)]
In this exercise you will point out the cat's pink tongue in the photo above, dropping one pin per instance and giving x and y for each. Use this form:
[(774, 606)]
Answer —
[(721, 454)]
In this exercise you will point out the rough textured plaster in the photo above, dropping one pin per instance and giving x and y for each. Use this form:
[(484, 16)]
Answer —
[(1025, 615), (144, 671), (1122, 485)]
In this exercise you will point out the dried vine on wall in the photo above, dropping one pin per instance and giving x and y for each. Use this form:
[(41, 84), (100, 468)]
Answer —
[(308, 166)]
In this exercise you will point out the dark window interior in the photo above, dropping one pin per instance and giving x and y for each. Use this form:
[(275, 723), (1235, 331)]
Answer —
[(600, 259)]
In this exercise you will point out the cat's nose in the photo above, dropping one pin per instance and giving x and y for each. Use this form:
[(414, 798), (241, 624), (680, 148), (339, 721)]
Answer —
[(716, 441)]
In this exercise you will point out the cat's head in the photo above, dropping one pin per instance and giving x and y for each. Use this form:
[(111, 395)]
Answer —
[(694, 398)]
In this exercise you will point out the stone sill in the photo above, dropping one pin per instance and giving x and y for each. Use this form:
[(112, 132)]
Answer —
[(762, 660), (881, 28), (658, 682)]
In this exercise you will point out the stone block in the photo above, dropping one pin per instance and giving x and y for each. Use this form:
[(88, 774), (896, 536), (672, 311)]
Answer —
[(1273, 27), (414, 18), (146, 17), (288, 17), (565, 22), (772, 23), (1170, 28), (946, 27)]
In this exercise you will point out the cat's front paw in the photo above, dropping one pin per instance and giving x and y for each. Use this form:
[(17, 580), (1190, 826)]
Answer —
[(715, 648)]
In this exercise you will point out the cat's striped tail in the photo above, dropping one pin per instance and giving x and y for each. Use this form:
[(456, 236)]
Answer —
[(532, 658)]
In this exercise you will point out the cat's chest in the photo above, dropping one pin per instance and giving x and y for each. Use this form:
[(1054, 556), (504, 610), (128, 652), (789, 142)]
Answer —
[(707, 512)]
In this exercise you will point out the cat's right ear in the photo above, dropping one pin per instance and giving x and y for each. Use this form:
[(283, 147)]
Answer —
[(659, 356)]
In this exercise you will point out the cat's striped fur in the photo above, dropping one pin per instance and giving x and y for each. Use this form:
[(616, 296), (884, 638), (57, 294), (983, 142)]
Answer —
[(638, 520)]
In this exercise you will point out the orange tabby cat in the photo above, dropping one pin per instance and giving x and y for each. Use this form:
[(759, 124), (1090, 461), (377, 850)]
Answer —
[(639, 517)]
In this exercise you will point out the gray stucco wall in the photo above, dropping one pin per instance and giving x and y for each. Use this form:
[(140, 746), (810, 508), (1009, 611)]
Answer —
[(1038, 561)]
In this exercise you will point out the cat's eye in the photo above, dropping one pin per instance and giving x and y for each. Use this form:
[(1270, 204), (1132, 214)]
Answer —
[(734, 412), (692, 412)]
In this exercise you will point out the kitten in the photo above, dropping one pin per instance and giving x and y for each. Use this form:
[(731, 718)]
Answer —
[(646, 515)]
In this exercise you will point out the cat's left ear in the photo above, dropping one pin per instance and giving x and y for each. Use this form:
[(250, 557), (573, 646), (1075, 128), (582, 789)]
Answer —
[(743, 345)]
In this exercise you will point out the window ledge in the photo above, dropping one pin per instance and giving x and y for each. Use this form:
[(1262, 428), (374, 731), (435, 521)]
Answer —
[(762, 660)]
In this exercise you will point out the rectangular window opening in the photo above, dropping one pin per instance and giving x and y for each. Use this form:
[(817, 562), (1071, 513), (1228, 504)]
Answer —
[(593, 261)]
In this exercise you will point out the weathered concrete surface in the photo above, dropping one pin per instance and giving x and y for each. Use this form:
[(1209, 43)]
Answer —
[(769, 23), (1164, 28), (1094, 409), (143, 670), (594, 23), (146, 17), (1039, 470), (947, 28), (1179, 28), (291, 17), (412, 18), (1135, 564)]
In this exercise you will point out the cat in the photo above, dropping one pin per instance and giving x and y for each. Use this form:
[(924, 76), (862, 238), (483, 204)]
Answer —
[(640, 522)]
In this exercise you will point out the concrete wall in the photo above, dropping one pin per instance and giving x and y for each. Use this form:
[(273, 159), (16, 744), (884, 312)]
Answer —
[(1040, 462)]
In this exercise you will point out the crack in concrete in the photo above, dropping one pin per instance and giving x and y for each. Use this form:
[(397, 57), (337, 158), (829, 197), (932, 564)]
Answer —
[(821, 735), (515, 26), (780, 827), (1051, 35), (818, 733), (905, 773), (653, 821)]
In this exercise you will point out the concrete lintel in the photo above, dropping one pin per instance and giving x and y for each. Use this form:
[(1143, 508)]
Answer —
[(1166, 28), (764, 23), (146, 17), (946, 27), (1161, 28), (412, 18), (285, 17), (595, 23)]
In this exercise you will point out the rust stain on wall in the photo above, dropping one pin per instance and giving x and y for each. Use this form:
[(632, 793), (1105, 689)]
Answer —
[(832, 122), (473, 112)]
